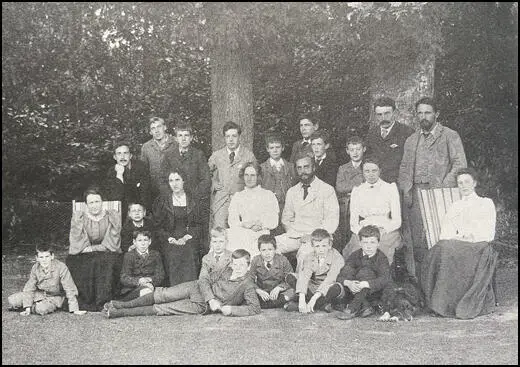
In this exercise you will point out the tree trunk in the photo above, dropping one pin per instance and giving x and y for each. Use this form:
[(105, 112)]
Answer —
[(405, 88), (231, 87)]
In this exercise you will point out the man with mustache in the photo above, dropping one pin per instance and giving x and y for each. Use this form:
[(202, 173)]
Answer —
[(310, 204), (386, 140), (128, 180), (431, 158)]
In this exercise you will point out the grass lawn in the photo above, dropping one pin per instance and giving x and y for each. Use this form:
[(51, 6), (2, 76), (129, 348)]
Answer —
[(273, 337)]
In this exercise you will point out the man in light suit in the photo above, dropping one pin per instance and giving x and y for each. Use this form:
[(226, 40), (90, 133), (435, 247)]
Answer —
[(431, 158), (309, 204), (224, 166)]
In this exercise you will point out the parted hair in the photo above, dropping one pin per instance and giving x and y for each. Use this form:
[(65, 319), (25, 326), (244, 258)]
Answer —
[(156, 119), (320, 234), (92, 190), (240, 253), (354, 140), (370, 231), (266, 238), (142, 232), (427, 100), (231, 125), (44, 247), (218, 231), (467, 171), (184, 126), (321, 134), (257, 168), (384, 102)]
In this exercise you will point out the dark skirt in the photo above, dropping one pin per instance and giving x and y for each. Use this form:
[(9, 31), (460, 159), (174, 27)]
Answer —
[(180, 262), (96, 275), (456, 277)]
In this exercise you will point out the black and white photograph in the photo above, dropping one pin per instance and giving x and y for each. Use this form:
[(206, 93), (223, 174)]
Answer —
[(251, 183)]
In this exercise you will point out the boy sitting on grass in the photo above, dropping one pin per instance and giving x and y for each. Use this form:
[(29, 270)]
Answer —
[(318, 273), (229, 290), (269, 271), (218, 257), (365, 274), (142, 268), (49, 284)]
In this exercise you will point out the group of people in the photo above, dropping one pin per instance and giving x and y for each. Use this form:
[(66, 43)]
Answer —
[(231, 235)]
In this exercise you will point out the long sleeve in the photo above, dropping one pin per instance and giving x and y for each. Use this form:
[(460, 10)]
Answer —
[(251, 305), (332, 274), (71, 291), (304, 275), (288, 213), (331, 212), (78, 237), (234, 211), (354, 210), (204, 176), (394, 222), (159, 273), (127, 278), (457, 159), (287, 269), (270, 210), (342, 185), (383, 273), (205, 286), (204, 267), (30, 285), (112, 239)]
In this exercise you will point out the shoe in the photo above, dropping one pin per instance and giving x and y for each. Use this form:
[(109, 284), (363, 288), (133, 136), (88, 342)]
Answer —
[(291, 306), (338, 307), (369, 311), (328, 308), (346, 315), (107, 305)]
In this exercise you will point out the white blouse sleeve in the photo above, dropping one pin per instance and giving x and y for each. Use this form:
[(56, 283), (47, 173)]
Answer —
[(394, 222), (234, 211), (270, 210), (483, 221), (354, 210)]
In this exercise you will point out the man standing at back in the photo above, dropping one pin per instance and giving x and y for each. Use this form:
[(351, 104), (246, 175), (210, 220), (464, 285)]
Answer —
[(152, 153), (224, 166), (431, 158), (303, 146), (386, 140)]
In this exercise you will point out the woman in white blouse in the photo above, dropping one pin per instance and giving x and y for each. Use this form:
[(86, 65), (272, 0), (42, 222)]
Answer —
[(252, 211), (375, 202), (457, 273)]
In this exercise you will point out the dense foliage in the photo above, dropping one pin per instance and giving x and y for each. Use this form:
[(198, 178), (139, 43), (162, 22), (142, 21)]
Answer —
[(78, 76)]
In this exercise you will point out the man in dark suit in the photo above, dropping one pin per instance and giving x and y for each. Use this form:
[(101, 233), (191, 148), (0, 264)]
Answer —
[(128, 180), (325, 163), (386, 140), (307, 128)]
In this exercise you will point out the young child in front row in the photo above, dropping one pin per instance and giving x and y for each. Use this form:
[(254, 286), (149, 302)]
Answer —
[(142, 268), (49, 284), (318, 273), (269, 271), (218, 256), (136, 220), (365, 274)]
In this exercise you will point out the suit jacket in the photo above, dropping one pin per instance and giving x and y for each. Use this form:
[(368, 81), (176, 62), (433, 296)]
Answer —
[(327, 171), (389, 151), (446, 156), (320, 209), (152, 156), (268, 279), (135, 189), (210, 264), (135, 266), (377, 266), (347, 178), (225, 180), (297, 148), (196, 167), (288, 179), (127, 233)]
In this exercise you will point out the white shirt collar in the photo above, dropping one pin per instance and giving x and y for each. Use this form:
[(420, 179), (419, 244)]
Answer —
[(141, 253), (277, 164), (356, 165), (139, 225), (369, 256), (432, 131), (471, 196), (376, 184), (236, 150), (322, 157), (387, 129)]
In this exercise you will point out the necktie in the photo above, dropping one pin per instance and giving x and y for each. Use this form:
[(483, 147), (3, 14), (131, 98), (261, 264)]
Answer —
[(384, 133), (268, 265), (305, 190), (318, 162), (426, 135), (305, 143), (231, 157), (217, 258), (183, 153)]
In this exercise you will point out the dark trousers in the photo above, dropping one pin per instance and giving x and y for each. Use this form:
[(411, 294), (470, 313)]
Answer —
[(361, 300), (331, 297)]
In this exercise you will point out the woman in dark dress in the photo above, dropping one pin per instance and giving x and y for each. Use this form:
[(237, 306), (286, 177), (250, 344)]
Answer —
[(95, 255), (178, 222)]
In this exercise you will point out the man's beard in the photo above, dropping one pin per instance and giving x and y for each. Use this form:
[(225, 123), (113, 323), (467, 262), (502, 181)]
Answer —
[(306, 180), (426, 125)]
